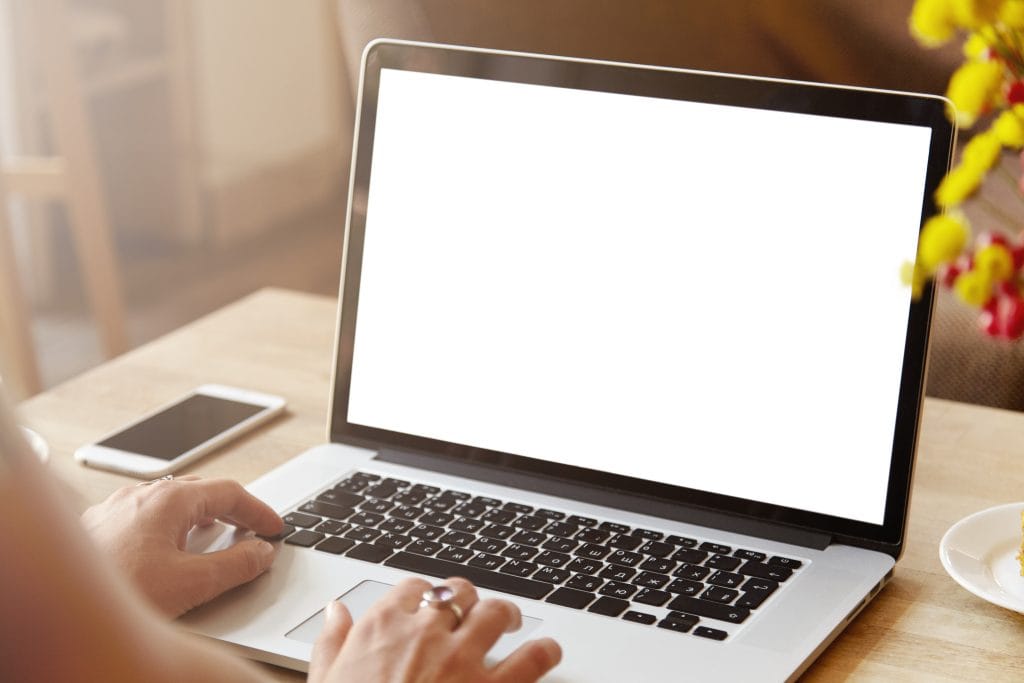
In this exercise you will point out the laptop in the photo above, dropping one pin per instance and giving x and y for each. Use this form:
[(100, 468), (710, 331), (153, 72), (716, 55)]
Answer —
[(624, 345)]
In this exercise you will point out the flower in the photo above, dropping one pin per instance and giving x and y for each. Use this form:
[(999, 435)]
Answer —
[(973, 88)]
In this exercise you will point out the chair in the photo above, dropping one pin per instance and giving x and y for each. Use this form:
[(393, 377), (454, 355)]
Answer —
[(72, 177)]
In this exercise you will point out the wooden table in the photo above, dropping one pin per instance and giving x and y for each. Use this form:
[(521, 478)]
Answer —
[(922, 626)]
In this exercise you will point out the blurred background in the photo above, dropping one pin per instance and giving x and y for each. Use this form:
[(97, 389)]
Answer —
[(162, 158)]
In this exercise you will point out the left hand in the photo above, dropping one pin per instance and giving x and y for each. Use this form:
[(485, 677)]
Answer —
[(144, 528)]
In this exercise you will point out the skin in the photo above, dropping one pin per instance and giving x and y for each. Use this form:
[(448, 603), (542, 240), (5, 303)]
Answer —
[(67, 612)]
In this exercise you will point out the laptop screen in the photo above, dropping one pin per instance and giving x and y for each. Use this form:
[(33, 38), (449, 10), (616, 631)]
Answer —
[(693, 293)]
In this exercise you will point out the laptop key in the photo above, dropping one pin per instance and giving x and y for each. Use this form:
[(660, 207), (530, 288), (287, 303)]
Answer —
[(530, 523), (609, 606), (614, 528), (440, 504), (362, 534), (498, 531), (685, 587), (787, 562), (749, 555), (376, 505), (581, 521), (657, 549), (427, 532), (394, 525), (626, 558), (457, 495), (712, 610), (467, 524), (488, 545), (689, 555), (639, 617), (459, 538), (679, 625), (482, 578), (489, 502), (335, 545), (583, 582), (436, 518), (715, 548), (425, 489), (498, 516), (756, 585), (384, 489), (470, 509), (421, 547), (366, 519), (593, 535), (765, 571), (650, 596), (552, 559), (708, 632), (317, 507), (559, 544), (552, 574), (592, 551), (550, 514), (301, 520), (650, 580), (692, 572), (454, 554), (486, 561), (365, 476), (331, 526), (352, 485), (304, 538), (518, 508), (625, 541), (393, 541), (723, 562), (654, 564), (752, 600), (529, 538), (722, 595), (406, 512), (623, 591), (682, 541), (286, 531), (725, 579), (617, 572), (648, 534), (410, 497), (564, 529), (368, 552), (519, 552), (518, 568), (342, 498), (568, 597), (585, 565)]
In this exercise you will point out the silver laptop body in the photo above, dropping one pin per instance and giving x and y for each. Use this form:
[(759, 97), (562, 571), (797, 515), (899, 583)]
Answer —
[(656, 306)]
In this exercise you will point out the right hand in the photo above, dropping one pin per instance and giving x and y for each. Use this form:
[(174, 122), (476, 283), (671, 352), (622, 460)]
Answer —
[(397, 641)]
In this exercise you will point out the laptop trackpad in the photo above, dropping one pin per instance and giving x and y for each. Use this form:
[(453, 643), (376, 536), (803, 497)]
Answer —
[(359, 599)]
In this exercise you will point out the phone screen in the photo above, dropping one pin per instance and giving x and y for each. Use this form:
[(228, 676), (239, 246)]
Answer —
[(182, 426)]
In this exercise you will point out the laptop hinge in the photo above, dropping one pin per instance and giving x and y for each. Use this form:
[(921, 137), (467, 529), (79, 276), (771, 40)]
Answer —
[(655, 507)]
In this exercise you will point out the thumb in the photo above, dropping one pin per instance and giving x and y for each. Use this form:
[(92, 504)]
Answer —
[(337, 623), (225, 569)]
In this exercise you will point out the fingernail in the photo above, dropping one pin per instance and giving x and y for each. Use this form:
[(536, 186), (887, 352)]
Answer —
[(332, 611), (265, 548)]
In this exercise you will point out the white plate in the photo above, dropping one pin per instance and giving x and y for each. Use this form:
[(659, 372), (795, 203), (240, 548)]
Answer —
[(980, 553)]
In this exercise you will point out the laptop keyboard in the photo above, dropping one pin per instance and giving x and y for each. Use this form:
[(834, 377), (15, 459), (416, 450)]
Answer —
[(682, 584)]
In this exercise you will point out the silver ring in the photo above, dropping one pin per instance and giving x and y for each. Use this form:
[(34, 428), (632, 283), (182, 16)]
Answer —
[(166, 477), (442, 597)]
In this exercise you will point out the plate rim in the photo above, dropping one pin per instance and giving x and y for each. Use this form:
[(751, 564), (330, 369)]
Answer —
[(955, 575)]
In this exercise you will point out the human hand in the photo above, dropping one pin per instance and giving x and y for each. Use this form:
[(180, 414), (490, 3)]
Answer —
[(396, 640), (144, 528)]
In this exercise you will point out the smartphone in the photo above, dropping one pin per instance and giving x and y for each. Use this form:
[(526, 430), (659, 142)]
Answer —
[(182, 431)]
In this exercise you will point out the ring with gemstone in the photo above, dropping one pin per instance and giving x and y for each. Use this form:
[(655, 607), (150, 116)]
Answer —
[(166, 477), (442, 597)]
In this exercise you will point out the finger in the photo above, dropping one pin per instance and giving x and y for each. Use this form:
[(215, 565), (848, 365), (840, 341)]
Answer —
[(487, 621), (529, 662), (213, 573), (464, 599), (337, 624), (188, 477), (228, 500), (406, 595)]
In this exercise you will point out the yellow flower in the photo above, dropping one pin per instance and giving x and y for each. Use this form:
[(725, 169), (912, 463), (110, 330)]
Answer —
[(942, 239), (977, 45), (1009, 128), (972, 88), (914, 277), (974, 13), (1012, 13), (931, 22), (958, 185), (995, 261), (982, 151), (973, 288)]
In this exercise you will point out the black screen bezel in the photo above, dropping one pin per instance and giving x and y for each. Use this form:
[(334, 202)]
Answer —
[(920, 110)]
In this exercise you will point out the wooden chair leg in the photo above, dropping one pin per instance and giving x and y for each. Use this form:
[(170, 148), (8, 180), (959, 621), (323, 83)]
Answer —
[(18, 365), (87, 210)]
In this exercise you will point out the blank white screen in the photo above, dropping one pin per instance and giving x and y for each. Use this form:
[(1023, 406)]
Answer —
[(693, 294)]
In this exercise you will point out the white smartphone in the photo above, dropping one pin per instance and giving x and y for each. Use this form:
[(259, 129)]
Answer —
[(182, 431)]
